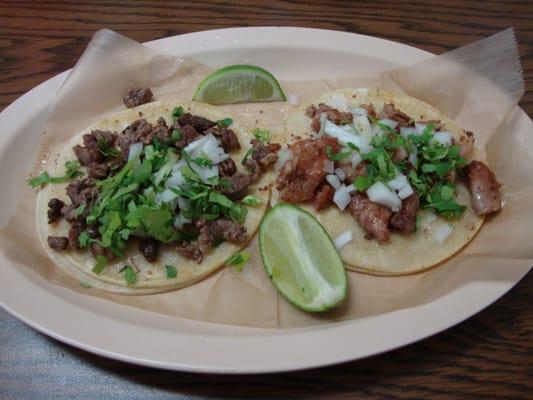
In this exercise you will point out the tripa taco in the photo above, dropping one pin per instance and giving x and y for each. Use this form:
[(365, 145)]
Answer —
[(399, 184)]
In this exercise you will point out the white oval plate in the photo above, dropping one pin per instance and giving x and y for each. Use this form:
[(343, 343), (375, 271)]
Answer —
[(140, 337)]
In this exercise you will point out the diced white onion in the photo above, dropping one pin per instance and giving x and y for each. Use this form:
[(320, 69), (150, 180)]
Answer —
[(405, 131), (180, 220), (430, 217), (444, 138), (184, 203), (362, 126), (442, 232), (340, 173), (377, 130), (420, 127), (214, 152), (283, 156), (334, 181), (205, 173), (274, 198), (357, 111), (350, 188), (379, 193), (166, 196), (405, 192), (413, 158), (389, 122), (346, 134), (179, 165), (343, 239), (323, 120), (176, 179), (355, 159), (342, 197), (294, 99), (195, 146), (398, 182), (329, 166), (135, 150)]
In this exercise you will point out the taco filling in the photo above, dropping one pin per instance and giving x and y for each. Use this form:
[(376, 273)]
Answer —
[(158, 183), (383, 166)]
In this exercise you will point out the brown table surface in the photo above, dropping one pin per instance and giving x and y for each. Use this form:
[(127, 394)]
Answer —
[(488, 356)]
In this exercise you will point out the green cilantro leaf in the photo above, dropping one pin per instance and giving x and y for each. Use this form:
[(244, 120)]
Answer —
[(106, 149), (175, 135), (262, 134), (202, 161), (171, 271), (251, 200), (224, 123), (247, 155), (363, 182), (336, 156), (177, 112), (130, 275), (72, 171), (238, 260), (101, 264)]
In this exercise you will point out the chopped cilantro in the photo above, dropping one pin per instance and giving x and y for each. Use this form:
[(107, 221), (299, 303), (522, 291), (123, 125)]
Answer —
[(363, 182), (79, 211), (247, 155), (171, 271), (85, 285), (218, 198), (336, 156), (106, 149), (72, 170), (441, 199), (84, 239), (262, 134), (224, 123), (353, 146), (238, 260), (202, 161), (130, 275), (177, 112), (101, 264), (175, 135), (251, 200)]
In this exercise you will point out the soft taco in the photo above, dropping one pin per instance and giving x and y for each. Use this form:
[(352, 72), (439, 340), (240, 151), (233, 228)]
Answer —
[(400, 185), (154, 198)]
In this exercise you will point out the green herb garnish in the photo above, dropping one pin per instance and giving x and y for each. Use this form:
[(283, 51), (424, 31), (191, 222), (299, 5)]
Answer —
[(177, 112), (250, 200), (72, 171), (224, 123), (101, 264), (130, 275), (262, 134), (238, 260), (336, 156), (171, 271)]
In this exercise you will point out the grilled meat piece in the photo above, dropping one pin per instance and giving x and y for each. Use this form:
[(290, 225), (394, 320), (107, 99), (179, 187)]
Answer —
[(54, 210), (334, 115), (57, 243), (484, 189), (372, 217), (136, 97), (405, 219)]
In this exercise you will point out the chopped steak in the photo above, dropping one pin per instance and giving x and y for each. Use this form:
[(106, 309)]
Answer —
[(303, 173), (161, 130), (323, 197), (91, 152), (54, 210), (466, 143), (484, 189), (82, 191), (190, 250), (74, 234), (237, 185), (149, 248), (57, 242), (139, 131), (188, 135), (390, 112), (399, 154), (225, 229), (199, 123), (227, 167), (136, 97), (372, 217), (334, 115), (227, 137), (405, 219)]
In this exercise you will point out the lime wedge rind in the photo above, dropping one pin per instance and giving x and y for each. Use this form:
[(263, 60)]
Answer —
[(239, 84), (282, 221)]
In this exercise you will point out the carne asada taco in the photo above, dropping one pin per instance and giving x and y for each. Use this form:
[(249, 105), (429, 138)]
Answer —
[(154, 198), (399, 184)]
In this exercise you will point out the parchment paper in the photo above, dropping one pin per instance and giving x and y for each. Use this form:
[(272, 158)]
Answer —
[(479, 85)]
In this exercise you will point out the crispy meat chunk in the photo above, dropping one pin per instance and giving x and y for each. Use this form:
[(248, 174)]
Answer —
[(199, 123), (390, 112), (149, 248), (484, 189), (323, 197), (90, 153), (228, 138), (74, 233), (265, 154), (334, 115), (372, 217), (57, 243), (190, 250), (162, 131), (139, 131), (54, 210), (237, 185), (136, 97), (304, 172), (369, 109), (405, 219)]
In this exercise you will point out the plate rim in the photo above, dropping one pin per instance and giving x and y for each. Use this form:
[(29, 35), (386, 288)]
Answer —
[(248, 337)]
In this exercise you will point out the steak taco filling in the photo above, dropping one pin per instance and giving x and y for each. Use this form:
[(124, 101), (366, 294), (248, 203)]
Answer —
[(157, 183)]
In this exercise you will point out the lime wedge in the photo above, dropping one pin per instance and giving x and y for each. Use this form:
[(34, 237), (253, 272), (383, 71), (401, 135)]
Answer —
[(239, 84), (301, 259)]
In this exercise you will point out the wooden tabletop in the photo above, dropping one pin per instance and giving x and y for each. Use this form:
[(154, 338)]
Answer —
[(488, 356)]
